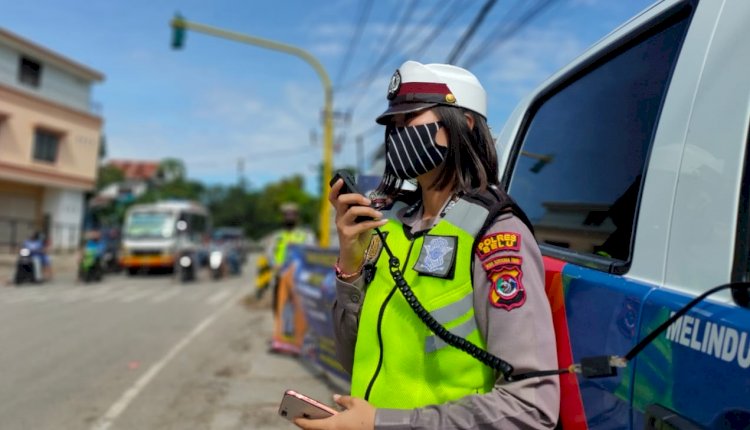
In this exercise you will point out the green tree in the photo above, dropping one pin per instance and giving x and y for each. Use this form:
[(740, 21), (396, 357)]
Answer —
[(231, 206), (181, 189), (108, 175), (171, 170)]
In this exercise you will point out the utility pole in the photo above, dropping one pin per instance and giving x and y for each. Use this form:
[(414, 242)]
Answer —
[(241, 172)]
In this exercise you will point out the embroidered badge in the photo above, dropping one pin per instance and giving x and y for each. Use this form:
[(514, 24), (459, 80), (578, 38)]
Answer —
[(374, 248), (501, 260), (496, 242), (507, 290), (437, 256), (394, 85)]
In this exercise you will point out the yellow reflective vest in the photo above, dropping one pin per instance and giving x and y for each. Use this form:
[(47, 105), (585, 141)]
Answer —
[(398, 362), (284, 238)]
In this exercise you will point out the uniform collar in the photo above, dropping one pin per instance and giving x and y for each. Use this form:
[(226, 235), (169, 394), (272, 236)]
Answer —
[(411, 216)]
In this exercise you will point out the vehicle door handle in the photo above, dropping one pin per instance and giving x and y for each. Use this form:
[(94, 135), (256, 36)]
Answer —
[(660, 418)]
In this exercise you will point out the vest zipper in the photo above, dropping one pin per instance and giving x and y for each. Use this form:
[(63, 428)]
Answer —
[(380, 322)]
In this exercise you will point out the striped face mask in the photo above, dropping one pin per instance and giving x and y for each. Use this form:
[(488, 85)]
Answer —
[(412, 151)]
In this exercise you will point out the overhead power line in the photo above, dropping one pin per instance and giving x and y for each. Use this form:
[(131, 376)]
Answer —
[(388, 49), (506, 32), (363, 75), (427, 17), (511, 14), (288, 152), (360, 26), (450, 13), (470, 30)]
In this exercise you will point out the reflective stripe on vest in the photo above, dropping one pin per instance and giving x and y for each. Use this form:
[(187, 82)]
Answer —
[(446, 315), (417, 368), (285, 238)]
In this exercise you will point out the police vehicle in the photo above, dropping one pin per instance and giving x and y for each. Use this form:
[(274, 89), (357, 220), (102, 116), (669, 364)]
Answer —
[(632, 163)]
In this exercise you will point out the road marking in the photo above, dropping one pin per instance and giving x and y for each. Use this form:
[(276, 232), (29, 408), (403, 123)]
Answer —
[(128, 396), (136, 295), (100, 291), (217, 297), (166, 295), (113, 295), (71, 296), (77, 293), (194, 295), (25, 296)]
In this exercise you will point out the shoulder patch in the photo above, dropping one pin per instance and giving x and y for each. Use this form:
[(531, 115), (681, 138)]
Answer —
[(507, 291), (496, 242), (500, 261)]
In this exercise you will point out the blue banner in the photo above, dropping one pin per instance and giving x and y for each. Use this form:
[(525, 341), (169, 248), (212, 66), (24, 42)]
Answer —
[(315, 287)]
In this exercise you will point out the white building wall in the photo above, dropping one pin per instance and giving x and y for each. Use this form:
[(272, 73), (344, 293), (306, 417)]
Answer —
[(65, 210), (65, 88), (8, 66), (56, 84)]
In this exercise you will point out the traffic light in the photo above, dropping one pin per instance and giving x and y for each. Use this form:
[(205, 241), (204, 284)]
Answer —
[(178, 31), (537, 167)]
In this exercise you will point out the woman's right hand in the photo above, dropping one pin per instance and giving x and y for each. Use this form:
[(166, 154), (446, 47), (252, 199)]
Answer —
[(353, 237)]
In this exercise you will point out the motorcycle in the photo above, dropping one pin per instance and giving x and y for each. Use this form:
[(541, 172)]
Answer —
[(186, 267), (109, 262), (90, 267), (28, 267), (217, 264)]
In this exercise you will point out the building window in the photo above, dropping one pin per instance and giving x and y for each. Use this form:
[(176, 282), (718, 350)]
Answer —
[(45, 145), (30, 72)]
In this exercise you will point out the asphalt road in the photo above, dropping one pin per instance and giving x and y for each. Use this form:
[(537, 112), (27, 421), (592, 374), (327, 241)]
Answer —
[(142, 353)]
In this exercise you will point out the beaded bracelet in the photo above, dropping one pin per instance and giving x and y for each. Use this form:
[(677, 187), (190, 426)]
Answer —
[(342, 275)]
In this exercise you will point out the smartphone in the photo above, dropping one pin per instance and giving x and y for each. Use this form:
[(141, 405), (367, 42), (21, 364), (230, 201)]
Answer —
[(296, 405), (350, 186)]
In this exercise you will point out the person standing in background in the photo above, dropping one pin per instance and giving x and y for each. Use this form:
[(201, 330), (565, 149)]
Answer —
[(288, 316)]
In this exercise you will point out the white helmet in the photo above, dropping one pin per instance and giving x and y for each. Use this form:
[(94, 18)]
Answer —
[(416, 86)]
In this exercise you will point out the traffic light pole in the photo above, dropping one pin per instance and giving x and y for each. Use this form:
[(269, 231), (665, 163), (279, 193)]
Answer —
[(179, 25)]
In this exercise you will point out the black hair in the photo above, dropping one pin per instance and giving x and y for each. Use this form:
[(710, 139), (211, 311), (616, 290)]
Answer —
[(471, 160)]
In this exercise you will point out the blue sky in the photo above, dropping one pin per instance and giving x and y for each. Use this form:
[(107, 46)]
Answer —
[(217, 101)]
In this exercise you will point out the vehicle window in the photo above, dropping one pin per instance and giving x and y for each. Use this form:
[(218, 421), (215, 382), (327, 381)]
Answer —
[(197, 226), (149, 225), (579, 169), (741, 267)]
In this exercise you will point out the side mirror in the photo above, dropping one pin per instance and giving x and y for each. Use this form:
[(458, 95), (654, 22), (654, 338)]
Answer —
[(181, 226)]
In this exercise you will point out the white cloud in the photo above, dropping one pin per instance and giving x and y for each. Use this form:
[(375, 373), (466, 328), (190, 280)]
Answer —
[(227, 105), (521, 64), (227, 125)]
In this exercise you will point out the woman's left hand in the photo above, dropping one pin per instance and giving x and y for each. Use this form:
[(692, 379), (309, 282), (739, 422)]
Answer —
[(358, 415)]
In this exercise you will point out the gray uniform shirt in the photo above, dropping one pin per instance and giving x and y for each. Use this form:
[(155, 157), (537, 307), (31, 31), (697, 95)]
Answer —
[(523, 336)]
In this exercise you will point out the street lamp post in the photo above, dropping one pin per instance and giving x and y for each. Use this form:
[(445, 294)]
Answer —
[(179, 25)]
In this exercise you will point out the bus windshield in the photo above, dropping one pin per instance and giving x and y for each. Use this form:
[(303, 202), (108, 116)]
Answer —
[(149, 225)]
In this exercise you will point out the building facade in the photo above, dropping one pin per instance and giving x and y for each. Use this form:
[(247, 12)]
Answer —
[(50, 138), (138, 177)]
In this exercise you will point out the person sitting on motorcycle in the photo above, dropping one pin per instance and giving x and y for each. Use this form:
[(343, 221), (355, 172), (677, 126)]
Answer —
[(92, 251), (37, 245)]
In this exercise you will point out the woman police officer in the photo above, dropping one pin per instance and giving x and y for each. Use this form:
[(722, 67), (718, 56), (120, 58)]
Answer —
[(469, 256)]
